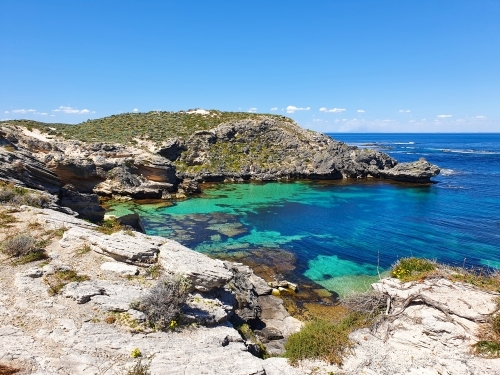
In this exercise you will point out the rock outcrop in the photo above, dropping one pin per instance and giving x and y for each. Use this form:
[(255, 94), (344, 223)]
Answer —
[(90, 325), (270, 149), (264, 148)]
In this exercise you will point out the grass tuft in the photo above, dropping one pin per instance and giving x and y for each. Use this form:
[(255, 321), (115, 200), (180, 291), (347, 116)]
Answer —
[(411, 269), (109, 226), (59, 279), (324, 340)]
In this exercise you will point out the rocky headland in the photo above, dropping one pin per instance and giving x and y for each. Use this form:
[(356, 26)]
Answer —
[(163, 155)]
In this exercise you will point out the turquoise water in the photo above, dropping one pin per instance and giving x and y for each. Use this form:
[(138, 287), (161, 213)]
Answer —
[(341, 234)]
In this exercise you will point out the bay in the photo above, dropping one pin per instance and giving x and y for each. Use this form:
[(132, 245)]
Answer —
[(342, 234)]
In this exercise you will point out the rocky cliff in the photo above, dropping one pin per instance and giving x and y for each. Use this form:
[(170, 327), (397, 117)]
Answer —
[(211, 146)]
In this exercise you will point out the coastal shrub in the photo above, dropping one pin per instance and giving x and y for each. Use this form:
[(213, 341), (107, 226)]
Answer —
[(409, 269), (17, 196), (19, 245), (482, 279), (163, 304), (324, 340)]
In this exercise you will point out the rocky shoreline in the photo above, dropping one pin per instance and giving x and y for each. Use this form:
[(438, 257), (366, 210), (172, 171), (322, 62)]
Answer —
[(89, 326), (264, 149)]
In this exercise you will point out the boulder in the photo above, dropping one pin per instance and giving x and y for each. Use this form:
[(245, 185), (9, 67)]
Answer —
[(204, 273), (137, 249)]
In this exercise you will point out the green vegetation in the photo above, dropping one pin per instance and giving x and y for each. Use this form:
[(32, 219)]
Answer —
[(109, 226), (249, 336), (61, 278), (155, 126), (82, 250), (411, 269), (324, 340), (16, 196)]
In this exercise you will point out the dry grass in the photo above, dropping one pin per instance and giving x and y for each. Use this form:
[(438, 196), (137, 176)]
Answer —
[(324, 340), (8, 370), (59, 279), (489, 337)]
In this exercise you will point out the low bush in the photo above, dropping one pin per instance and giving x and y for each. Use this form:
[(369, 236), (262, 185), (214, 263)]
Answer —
[(16, 196), (163, 304), (324, 340), (19, 245), (410, 269)]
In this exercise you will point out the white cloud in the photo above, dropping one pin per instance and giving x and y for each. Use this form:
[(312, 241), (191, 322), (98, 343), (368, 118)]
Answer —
[(444, 116), (481, 117), (360, 111), (31, 110), (292, 109), (70, 110), (274, 109), (6, 111), (41, 113), (19, 111), (334, 110), (404, 111), (52, 115), (252, 110), (136, 110)]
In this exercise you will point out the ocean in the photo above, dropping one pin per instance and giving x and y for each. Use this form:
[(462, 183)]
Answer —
[(340, 235)]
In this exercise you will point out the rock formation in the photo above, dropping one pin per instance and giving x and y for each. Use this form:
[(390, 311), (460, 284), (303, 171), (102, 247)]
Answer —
[(263, 148)]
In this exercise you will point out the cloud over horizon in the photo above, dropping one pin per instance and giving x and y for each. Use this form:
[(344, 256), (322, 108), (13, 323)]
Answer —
[(292, 109), (70, 110), (333, 110), (444, 116)]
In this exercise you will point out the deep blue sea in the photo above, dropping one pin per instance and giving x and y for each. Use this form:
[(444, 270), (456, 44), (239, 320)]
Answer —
[(340, 234)]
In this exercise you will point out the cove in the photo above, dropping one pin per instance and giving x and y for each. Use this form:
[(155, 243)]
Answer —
[(336, 234)]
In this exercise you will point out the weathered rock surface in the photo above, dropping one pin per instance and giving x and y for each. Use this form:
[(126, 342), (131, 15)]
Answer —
[(266, 149), (423, 339), (418, 171), (136, 248), (120, 268), (204, 273), (87, 205), (270, 149)]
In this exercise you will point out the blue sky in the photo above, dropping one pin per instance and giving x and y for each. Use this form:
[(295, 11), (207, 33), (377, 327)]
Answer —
[(333, 66)]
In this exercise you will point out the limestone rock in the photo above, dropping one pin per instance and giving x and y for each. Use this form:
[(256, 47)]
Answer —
[(87, 205), (137, 249), (120, 268), (204, 273), (418, 171), (81, 292)]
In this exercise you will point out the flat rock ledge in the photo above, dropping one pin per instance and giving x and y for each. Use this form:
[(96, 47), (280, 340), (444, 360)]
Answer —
[(422, 339)]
